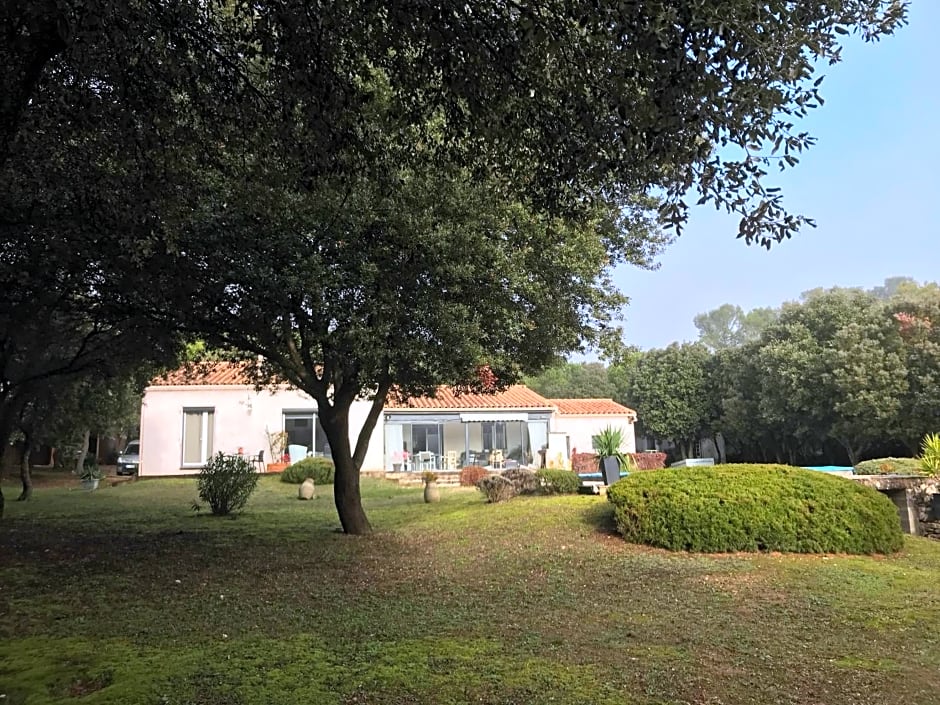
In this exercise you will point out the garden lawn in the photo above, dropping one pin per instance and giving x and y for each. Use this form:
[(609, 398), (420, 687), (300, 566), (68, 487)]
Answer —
[(125, 595)]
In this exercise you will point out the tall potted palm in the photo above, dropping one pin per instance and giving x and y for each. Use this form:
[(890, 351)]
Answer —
[(610, 458)]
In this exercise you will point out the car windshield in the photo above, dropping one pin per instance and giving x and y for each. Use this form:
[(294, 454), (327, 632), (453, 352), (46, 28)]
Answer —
[(132, 449)]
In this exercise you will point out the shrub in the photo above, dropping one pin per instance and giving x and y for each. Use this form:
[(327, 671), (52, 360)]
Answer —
[(930, 454), (648, 461), (226, 483), (471, 475), (754, 508), (558, 481), (523, 481), (321, 470), (496, 488), (888, 466), (584, 462)]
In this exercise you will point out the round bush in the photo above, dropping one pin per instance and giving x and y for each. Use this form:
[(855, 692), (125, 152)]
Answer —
[(558, 481), (496, 488), (523, 481), (226, 483), (322, 470), (754, 508), (472, 474)]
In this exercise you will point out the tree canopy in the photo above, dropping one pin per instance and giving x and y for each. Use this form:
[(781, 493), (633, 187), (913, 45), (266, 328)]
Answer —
[(728, 326)]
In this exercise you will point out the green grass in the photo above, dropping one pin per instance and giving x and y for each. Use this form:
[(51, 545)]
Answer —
[(124, 595)]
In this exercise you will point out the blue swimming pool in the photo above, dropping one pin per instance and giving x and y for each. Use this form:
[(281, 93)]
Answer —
[(597, 475)]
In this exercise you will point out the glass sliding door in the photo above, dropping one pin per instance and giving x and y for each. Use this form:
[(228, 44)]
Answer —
[(426, 437), (303, 429)]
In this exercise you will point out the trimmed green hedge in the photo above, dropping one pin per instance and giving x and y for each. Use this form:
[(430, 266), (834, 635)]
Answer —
[(754, 508), (321, 470), (553, 481), (886, 466)]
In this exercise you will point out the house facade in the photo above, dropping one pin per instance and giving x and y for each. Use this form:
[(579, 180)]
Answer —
[(505, 429), (187, 418), (581, 419)]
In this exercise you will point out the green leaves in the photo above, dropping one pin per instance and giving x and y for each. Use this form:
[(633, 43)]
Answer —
[(930, 453), (668, 389)]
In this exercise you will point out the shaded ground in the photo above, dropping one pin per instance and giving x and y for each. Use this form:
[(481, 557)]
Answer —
[(124, 595)]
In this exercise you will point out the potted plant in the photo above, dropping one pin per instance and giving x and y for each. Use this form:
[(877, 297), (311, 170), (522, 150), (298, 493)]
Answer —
[(431, 491), (90, 476), (610, 459)]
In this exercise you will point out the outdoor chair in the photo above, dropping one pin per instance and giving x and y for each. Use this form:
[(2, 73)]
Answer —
[(259, 461), (426, 460), (450, 460), (496, 459)]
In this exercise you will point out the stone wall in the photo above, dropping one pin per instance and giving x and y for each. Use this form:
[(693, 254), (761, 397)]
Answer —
[(922, 495), (914, 497)]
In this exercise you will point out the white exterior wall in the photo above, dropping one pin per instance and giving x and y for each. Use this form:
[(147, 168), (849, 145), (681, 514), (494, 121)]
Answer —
[(454, 437), (242, 419), (581, 428)]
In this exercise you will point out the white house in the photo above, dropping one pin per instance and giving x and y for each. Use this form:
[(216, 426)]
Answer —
[(187, 418), (581, 419)]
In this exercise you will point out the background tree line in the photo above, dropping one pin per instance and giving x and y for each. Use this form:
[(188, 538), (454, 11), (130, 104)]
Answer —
[(839, 376)]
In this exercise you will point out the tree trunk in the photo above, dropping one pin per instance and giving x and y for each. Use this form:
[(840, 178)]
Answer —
[(718, 440), (80, 460), (852, 452), (5, 427), (346, 492), (25, 477)]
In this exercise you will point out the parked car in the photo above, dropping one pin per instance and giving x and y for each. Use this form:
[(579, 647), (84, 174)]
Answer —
[(128, 462)]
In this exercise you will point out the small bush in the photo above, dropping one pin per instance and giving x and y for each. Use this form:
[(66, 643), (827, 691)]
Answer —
[(648, 461), (496, 488), (558, 481), (321, 470), (226, 483), (754, 508), (471, 475), (584, 463), (889, 466), (523, 481)]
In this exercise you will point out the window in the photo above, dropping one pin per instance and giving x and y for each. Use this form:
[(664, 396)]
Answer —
[(494, 435), (426, 437), (303, 429), (197, 436), (299, 428)]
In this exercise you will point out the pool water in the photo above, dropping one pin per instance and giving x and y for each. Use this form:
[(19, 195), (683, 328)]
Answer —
[(596, 475)]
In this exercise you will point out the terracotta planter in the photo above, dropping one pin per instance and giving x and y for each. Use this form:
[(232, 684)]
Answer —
[(431, 492), (277, 467)]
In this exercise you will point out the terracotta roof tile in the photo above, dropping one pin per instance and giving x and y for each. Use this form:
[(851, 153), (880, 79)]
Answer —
[(591, 406), (516, 397), (204, 374)]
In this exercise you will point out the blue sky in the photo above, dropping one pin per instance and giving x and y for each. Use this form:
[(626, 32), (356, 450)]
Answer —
[(871, 183)]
